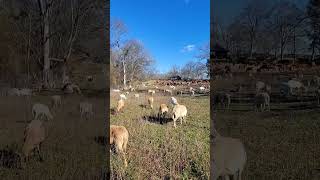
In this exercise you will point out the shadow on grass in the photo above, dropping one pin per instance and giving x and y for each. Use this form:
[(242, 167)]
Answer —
[(156, 119), (10, 159)]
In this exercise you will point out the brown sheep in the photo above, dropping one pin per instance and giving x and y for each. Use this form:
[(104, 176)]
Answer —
[(163, 110), (119, 136), (150, 101), (34, 135), (120, 105)]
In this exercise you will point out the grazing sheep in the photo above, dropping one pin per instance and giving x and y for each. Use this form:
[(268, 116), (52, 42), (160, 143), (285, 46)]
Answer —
[(25, 92), (122, 96), (119, 136), (137, 95), (34, 135), (168, 91), (116, 90), (86, 109), (152, 92), (56, 101), (120, 105), (39, 110), (202, 88), (229, 158), (222, 98), (150, 102), (13, 92), (179, 112), (262, 100), (163, 110)]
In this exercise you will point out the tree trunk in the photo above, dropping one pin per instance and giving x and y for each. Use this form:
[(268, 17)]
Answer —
[(46, 43)]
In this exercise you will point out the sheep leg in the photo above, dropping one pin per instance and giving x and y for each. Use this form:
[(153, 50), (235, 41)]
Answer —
[(174, 122), (38, 152)]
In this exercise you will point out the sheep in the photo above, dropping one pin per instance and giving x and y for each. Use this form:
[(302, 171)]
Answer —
[(56, 101), (116, 90), (222, 98), (259, 86), (173, 87), (25, 92), (229, 157), (122, 96), (152, 92), (294, 84), (163, 110), (192, 93), (168, 91), (89, 78), (136, 95), (173, 101), (14, 92), (86, 109), (132, 89), (119, 137), (150, 102), (202, 88), (127, 93), (262, 100), (39, 110), (179, 112), (120, 105), (34, 135)]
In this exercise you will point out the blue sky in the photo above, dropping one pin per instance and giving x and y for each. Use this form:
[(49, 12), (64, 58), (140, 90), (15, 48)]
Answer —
[(170, 30)]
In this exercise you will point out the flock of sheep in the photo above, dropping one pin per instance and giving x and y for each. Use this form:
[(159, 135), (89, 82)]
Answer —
[(229, 153), (35, 132), (119, 134)]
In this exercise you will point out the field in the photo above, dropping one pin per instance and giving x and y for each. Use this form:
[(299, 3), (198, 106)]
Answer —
[(157, 151), (71, 150), (282, 143)]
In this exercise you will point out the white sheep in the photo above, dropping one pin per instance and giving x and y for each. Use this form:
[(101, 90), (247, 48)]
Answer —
[(294, 84), (25, 92), (56, 101), (202, 88), (179, 112), (86, 109), (119, 137), (150, 102), (39, 110), (152, 92), (173, 101), (173, 87), (136, 95), (168, 91), (116, 90), (122, 96), (229, 158), (163, 110), (34, 135), (127, 93)]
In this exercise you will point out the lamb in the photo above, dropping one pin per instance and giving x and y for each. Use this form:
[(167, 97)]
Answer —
[(39, 110), (119, 136), (34, 135), (222, 98), (150, 102), (86, 109), (56, 101), (179, 112), (262, 100), (163, 110), (229, 157)]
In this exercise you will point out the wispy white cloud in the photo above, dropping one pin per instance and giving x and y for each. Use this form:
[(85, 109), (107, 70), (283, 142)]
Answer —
[(188, 48)]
